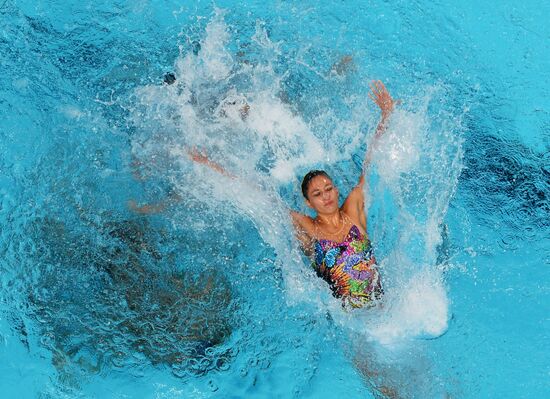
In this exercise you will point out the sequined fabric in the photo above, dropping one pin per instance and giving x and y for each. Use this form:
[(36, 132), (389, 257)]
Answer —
[(350, 268)]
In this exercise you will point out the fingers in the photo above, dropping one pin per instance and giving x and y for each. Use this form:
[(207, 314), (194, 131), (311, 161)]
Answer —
[(374, 93), (381, 97), (372, 86), (380, 86), (375, 89), (372, 97), (378, 91)]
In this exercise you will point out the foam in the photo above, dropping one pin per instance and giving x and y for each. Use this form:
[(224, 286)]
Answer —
[(418, 162), (419, 311), (398, 151)]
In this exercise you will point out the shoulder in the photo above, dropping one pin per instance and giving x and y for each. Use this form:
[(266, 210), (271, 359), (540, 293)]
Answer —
[(304, 230), (301, 221), (354, 207), (355, 199)]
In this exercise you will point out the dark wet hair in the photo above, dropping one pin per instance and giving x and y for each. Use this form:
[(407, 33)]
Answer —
[(309, 176), (169, 78)]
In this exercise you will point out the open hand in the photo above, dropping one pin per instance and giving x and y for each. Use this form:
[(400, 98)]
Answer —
[(380, 95), (198, 156)]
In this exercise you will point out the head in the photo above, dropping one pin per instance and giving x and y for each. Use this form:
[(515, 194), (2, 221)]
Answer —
[(319, 191)]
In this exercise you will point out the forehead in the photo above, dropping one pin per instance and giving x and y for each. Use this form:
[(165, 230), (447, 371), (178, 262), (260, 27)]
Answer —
[(318, 182)]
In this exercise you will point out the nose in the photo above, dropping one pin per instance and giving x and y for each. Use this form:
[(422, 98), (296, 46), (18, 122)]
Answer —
[(326, 194)]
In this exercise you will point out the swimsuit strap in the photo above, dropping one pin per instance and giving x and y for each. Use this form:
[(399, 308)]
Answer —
[(359, 234)]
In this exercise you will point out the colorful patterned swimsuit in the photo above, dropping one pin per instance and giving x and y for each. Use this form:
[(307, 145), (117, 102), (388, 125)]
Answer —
[(350, 268)]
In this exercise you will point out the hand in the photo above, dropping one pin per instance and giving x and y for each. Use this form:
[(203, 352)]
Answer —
[(380, 95), (198, 156)]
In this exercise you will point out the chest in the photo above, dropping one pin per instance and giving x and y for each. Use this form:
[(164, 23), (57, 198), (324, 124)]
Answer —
[(354, 249)]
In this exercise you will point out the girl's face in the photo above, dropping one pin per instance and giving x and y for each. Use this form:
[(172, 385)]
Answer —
[(322, 195)]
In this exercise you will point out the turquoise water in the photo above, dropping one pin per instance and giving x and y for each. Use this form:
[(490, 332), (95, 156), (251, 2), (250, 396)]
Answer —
[(211, 298)]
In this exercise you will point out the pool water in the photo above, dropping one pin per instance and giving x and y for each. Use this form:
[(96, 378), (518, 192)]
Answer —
[(210, 297)]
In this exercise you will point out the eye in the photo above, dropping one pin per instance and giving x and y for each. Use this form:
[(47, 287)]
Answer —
[(329, 188)]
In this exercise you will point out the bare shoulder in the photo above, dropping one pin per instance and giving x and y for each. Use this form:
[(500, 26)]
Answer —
[(304, 231), (354, 201), (354, 207), (301, 221)]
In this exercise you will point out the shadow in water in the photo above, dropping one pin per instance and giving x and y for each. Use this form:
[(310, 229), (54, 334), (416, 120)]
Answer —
[(111, 298)]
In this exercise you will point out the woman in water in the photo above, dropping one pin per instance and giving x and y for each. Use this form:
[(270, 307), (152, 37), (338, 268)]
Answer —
[(336, 238)]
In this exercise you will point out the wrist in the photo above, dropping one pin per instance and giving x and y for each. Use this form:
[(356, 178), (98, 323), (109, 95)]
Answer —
[(386, 114)]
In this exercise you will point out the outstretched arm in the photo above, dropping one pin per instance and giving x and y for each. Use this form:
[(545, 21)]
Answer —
[(174, 198), (381, 96), (200, 157), (354, 205), (303, 225)]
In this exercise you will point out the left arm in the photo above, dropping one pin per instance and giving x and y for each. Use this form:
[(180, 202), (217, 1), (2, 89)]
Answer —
[(381, 96), (200, 157), (354, 205)]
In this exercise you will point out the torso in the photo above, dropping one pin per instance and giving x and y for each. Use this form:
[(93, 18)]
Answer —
[(349, 267), (342, 255)]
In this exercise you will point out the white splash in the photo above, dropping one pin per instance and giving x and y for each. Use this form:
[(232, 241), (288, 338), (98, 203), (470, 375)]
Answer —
[(418, 160), (419, 310), (232, 110), (399, 150)]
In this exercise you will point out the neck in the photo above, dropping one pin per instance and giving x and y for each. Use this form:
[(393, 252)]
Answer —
[(333, 219)]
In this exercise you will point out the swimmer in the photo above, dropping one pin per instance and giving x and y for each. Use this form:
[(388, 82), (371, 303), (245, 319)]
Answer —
[(336, 238)]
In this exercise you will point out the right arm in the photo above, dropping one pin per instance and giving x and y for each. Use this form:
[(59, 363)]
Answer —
[(303, 227), (303, 224), (200, 157)]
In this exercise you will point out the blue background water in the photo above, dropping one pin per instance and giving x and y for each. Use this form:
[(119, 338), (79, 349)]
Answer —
[(69, 121)]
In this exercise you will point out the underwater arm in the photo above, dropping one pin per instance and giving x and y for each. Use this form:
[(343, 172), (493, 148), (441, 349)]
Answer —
[(149, 209), (158, 207), (200, 157)]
